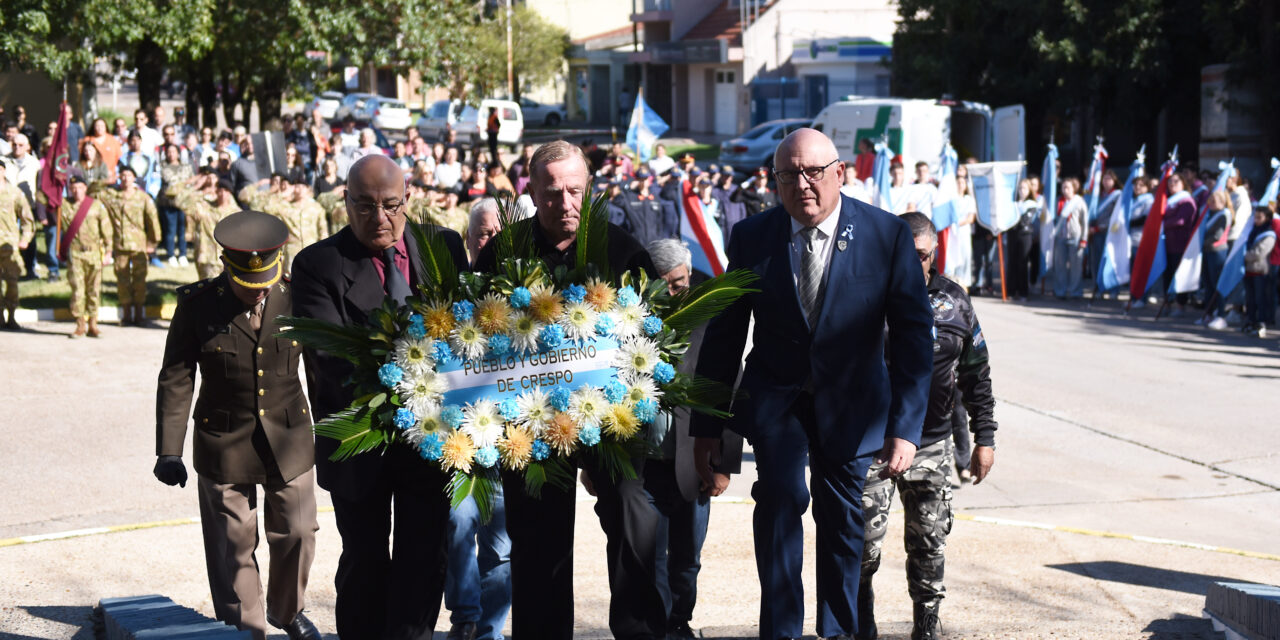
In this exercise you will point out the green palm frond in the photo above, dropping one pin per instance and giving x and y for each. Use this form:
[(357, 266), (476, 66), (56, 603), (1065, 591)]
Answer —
[(554, 470), (481, 487), (434, 264), (515, 241), (353, 429), (703, 395), (351, 343), (593, 237), (697, 306), (615, 457)]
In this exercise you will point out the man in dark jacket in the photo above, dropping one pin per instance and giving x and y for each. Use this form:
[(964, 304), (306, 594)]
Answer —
[(959, 360)]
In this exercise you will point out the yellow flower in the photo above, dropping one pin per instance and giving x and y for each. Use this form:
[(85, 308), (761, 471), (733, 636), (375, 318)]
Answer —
[(458, 452), (439, 321), (545, 305), (492, 314), (516, 448), (621, 422), (562, 434), (600, 295)]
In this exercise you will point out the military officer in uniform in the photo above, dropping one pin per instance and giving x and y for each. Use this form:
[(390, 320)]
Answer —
[(135, 226), (85, 240), (252, 428), (17, 228)]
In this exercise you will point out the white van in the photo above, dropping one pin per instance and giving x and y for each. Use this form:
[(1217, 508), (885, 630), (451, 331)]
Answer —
[(920, 129), (470, 122)]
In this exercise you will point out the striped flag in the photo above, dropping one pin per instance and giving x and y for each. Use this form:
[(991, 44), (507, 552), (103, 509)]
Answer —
[(700, 231), (884, 158), (1187, 277), (1114, 268), (1233, 270), (946, 204), (1150, 261), (1094, 185), (1049, 183), (646, 127)]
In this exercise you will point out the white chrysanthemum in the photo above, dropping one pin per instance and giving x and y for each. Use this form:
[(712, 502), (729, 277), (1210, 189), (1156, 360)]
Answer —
[(579, 322), (524, 333), (468, 341), (430, 423), (421, 390), (630, 322), (413, 354), (588, 406), (637, 357), (640, 388), (483, 423), (535, 414)]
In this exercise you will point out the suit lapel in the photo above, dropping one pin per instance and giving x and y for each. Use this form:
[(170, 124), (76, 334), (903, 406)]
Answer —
[(841, 260), (779, 273), (364, 290)]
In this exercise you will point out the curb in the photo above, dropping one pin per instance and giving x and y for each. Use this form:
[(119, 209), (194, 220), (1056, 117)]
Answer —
[(105, 314)]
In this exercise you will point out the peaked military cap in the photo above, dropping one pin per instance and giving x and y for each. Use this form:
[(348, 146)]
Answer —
[(251, 242)]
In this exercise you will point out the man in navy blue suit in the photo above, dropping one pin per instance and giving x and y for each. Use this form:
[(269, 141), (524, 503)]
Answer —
[(820, 386)]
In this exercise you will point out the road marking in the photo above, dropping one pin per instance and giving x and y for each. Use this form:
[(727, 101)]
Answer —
[(1004, 522)]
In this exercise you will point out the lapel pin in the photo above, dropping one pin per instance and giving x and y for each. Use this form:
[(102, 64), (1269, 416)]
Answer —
[(841, 245)]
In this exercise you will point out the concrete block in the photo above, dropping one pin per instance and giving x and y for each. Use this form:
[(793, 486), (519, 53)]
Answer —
[(1244, 610), (153, 617)]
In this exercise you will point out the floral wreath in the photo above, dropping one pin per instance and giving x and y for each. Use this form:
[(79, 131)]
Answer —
[(462, 323)]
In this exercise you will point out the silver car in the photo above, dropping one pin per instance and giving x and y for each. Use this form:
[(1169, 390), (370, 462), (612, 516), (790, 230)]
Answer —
[(755, 147), (387, 114), (326, 103), (536, 113)]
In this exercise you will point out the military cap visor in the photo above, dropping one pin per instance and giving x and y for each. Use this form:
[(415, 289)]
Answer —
[(251, 243)]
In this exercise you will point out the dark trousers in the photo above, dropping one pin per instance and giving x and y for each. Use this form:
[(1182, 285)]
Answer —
[(541, 532), (174, 222), (682, 530), (391, 592), (1213, 261), (1260, 297), (984, 259), (493, 148), (781, 499), (1019, 264)]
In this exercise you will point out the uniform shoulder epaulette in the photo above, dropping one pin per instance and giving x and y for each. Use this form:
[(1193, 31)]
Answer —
[(194, 289)]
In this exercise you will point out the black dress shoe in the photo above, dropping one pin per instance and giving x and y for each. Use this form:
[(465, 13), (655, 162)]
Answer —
[(462, 631), (680, 630), (299, 629)]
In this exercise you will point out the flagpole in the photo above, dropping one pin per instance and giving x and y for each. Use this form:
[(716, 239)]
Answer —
[(1004, 291)]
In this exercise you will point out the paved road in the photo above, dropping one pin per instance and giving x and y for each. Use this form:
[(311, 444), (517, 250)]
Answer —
[(1109, 427)]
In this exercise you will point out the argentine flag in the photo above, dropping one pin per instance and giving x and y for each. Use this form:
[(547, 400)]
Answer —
[(699, 230), (1049, 184), (646, 127), (946, 203), (1114, 268), (1233, 270), (995, 187), (884, 158), (1187, 276)]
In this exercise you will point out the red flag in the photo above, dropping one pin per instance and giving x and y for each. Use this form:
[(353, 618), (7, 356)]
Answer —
[(1150, 237), (53, 177)]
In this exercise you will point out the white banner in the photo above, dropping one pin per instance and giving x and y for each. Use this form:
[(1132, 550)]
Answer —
[(994, 187), (501, 377)]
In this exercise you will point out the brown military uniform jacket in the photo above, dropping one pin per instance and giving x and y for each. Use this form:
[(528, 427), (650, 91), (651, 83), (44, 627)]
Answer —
[(251, 417)]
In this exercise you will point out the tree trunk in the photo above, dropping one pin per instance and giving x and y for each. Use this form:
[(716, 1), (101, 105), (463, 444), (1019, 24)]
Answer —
[(207, 91), (229, 102), (192, 95), (151, 60), (270, 93)]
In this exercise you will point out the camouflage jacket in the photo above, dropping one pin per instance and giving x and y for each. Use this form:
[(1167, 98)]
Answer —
[(94, 236), (17, 226), (134, 221)]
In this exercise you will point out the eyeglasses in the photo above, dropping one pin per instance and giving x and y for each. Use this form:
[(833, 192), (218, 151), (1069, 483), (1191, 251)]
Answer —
[(924, 255), (812, 174), (370, 209)]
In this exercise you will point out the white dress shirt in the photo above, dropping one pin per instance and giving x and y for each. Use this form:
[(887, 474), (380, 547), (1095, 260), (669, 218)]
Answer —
[(823, 243)]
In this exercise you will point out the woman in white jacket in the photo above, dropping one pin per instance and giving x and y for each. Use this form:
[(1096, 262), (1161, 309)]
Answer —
[(1070, 242)]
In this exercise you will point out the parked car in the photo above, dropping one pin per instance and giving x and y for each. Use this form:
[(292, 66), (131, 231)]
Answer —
[(469, 122), (385, 113), (351, 103), (755, 147), (326, 103), (379, 137), (545, 114)]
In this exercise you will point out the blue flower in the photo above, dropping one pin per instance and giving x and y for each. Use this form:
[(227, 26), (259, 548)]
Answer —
[(663, 373), (589, 436), (500, 344), (627, 297), (652, 325), (390, 374), (615, 391), (487, 456), (431, 447), (551, 336), (575, 293), (462, 311), (452, 415), (417, 330), (559, 399), (540, 450), (605, 324), (404, 419), (646, 410), (521, 297), (509, 409), (441, 351)]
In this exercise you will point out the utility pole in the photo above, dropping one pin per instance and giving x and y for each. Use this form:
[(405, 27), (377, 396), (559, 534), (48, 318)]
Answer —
[(511, 74)]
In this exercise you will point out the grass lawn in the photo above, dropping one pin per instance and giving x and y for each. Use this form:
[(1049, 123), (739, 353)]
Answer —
[(161, 287), (702, 153)]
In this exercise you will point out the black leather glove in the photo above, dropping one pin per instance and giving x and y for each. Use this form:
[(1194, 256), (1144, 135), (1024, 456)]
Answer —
[(170, 470)]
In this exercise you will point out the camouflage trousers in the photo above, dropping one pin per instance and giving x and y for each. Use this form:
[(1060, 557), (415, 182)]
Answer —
[(85, 276), (10, 270), (925, 488), (131, 277)]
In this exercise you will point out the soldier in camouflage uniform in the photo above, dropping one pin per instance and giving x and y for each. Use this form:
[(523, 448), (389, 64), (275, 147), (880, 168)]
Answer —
[(253, 198), (303, 215), (87, 251), (435, 208), (334, 204), (205, 215), (959, 361), (17, 228), (135, 228)]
